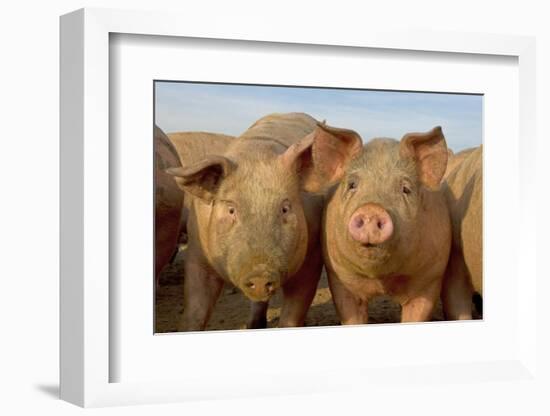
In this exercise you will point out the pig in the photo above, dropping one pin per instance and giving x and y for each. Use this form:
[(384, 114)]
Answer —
[(463, 277), (254, 222), (386, 227), (455, 159), (168, 201), (192, 146)]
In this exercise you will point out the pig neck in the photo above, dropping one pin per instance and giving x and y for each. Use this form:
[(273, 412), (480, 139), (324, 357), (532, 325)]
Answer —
[(255, 147)]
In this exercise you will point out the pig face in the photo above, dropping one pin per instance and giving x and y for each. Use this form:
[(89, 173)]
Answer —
[(254, 232), (379, 199), (257, 233)]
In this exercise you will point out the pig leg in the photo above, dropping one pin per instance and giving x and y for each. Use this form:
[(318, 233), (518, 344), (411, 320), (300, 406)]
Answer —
[(201, 291), (420, 308), (351, 310), (299, 290), (258, 315), (456, 294)]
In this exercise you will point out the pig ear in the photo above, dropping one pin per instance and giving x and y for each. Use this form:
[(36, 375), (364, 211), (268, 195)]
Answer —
[(203, 178), (429, 151), (322, 156)]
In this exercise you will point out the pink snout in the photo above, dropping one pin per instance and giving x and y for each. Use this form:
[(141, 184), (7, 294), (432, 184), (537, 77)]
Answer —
[(370, 224)]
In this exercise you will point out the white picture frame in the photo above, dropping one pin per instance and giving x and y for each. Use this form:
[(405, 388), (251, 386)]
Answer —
[(86, 353)]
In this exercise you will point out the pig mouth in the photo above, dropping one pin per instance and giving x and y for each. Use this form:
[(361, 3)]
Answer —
[(374, 253), (371, 246), (256, 298)]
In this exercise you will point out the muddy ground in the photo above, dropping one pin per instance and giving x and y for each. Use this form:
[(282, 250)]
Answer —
[(232, 309)]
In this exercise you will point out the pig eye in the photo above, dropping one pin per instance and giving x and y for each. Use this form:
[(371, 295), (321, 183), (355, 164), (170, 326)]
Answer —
[(406, 190), (285, 208), (352, 185), (231, 210)]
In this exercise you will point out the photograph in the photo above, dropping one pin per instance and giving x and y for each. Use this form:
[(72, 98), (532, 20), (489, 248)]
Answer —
[(300, 206)]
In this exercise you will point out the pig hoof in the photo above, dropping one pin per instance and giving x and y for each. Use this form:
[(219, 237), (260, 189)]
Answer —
[(478, 304), (257, 324)]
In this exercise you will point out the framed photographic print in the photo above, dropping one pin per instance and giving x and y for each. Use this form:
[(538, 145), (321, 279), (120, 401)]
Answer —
[(264, 235), (239, 214)]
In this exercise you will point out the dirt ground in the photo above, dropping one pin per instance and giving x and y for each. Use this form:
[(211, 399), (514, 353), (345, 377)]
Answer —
[(232, 308)]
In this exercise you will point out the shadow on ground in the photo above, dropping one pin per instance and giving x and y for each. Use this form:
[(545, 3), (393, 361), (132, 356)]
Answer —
[(51, 390)]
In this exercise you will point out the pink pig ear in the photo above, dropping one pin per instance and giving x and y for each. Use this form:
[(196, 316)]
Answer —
[(429, 151), (322, 156), (203, 178)]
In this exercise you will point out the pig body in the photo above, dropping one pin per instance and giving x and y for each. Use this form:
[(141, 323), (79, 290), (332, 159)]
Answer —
[(252, 224), (463, 277), (168, 201), (193, 146), (455, 159), (386, 228)]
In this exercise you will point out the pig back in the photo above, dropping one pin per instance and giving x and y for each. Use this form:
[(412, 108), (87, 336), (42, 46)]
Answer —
[(455, 159), (193, 146), (463, 191), (284, 129)]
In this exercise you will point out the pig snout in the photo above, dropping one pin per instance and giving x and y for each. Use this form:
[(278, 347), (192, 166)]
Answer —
[(260, 286), (370, 224)]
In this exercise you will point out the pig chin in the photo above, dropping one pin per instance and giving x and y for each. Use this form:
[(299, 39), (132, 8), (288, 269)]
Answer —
[(373, 253), (370, 261), (373, 259)]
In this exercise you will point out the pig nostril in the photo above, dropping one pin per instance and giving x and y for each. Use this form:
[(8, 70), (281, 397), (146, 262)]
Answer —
[(262, 285), (380, 225), (359, 222)]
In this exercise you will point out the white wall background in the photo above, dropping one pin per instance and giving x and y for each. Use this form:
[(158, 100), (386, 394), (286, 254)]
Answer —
[(29, 114)]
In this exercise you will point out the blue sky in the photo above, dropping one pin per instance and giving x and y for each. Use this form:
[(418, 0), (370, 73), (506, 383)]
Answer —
[(231, 109)]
